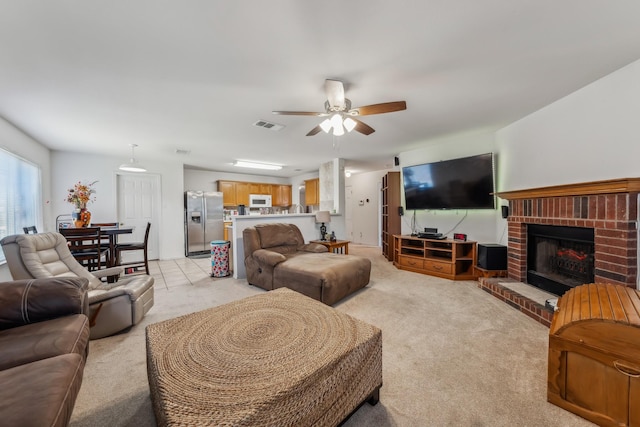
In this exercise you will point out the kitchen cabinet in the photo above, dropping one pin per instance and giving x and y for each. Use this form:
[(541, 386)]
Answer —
[(228, 189), (281, 195), (312, 192), (236, 193), (227, 226), (242, 193), (259, 188)]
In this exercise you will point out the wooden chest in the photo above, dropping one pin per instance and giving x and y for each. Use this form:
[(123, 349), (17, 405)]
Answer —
[(594, 354)]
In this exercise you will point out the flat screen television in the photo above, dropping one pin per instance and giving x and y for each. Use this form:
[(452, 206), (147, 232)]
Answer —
[(463, 183)]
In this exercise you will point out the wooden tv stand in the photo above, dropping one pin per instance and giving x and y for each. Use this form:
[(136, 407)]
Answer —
[(450, 259)]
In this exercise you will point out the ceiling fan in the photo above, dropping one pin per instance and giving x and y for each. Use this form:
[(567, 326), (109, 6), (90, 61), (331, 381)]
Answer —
[(342, 115)]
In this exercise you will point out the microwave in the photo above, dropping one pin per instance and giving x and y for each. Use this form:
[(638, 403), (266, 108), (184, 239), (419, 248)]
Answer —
[(259, 200)]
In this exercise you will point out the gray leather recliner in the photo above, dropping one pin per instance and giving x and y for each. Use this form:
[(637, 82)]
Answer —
[(112, 306)]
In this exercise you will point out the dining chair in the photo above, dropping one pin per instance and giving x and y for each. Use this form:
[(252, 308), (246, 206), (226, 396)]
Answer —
[(30, 230), (136, 246), (84, 244), (105, 244)]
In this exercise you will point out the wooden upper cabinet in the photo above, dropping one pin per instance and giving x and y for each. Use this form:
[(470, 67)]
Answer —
[(259, 188), (312, 192), (236, 193), (242, 193), (281, 195), (228, 189)]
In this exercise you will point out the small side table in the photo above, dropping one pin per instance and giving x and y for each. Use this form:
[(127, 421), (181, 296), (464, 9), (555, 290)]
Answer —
[(338, 246)]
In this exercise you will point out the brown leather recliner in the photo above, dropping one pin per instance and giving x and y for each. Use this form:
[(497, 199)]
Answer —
[(113, 307), (275, 256), (44, 338)]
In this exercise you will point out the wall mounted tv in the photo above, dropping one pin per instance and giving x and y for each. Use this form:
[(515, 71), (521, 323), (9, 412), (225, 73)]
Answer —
[(463, 183)]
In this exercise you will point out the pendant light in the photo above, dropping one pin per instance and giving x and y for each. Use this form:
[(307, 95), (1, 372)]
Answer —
[(133, 165)]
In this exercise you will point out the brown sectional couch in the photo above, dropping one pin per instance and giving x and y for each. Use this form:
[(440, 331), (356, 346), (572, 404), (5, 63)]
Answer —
[(276, 256), (44, 338)]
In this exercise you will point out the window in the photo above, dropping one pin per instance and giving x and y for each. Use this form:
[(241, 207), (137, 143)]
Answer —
[(19, 195)]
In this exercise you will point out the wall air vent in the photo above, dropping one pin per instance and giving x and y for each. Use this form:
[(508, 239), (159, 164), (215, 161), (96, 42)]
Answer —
[(268, 125)]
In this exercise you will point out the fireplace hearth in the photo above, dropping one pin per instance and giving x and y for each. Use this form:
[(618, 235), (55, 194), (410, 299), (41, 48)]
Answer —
[(559, 257)]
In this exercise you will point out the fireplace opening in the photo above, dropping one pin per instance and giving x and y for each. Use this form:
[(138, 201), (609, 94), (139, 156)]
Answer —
[(559, 258)]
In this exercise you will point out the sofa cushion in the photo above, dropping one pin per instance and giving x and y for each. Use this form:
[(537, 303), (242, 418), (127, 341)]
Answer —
[(326, 277), (273, 235), (34, 300), (41, 393), (269, 257), (36, 341)]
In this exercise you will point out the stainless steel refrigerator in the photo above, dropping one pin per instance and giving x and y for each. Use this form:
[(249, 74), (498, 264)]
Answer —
[(203, 221)]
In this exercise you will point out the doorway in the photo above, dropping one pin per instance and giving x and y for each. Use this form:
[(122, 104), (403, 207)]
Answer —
[(138, 199)]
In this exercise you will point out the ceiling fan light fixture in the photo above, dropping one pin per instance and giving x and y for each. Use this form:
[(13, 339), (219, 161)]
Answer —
[(256, 165), (349, 124), (133, 165), (336, 121), (326, 125)]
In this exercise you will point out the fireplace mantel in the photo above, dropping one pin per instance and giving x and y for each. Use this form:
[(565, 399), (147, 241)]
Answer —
[(611, 186)]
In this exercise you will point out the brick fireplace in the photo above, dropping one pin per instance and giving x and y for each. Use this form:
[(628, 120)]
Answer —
[(610, 208)]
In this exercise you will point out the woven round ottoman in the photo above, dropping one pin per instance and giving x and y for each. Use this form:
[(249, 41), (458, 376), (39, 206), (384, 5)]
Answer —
[(275, 359)]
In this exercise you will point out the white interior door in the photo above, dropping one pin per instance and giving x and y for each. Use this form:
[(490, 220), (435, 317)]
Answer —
[(139, 203)]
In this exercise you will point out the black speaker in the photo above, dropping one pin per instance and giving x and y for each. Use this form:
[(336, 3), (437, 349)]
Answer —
[(505, 211), (492, 256), (400, 210), (396, 161)]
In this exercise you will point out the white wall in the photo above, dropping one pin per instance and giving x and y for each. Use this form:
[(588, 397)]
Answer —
[(592, 134), (68, 168), (17, 142), (480, 225), (364, 207)]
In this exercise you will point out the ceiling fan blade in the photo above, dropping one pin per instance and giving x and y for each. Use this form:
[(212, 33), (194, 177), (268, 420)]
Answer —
[(300, 113), (335, 93), (386, 107), (314, 131), (363, 127)]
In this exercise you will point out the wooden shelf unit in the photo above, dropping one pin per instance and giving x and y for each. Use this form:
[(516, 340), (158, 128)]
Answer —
[(449, 259), (390, 215)]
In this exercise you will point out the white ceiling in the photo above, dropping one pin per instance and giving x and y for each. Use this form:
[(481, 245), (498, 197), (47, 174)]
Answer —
[(96, 76)]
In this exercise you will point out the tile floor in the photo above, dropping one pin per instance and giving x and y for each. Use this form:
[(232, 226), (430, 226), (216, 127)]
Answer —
[(179, 272)]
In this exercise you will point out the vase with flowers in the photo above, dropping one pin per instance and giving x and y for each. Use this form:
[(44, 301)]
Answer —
[(79, 196)]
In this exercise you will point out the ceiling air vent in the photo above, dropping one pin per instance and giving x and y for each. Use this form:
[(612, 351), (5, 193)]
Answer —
[(268, 125)]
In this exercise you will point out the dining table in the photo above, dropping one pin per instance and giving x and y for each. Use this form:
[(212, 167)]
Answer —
[(112, 232)]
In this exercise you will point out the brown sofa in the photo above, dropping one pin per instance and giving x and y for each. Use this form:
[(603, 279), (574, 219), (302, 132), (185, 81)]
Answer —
[(44, 338), (275, 256)]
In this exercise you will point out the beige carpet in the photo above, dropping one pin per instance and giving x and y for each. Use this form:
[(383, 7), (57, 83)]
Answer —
[(452, 355)]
